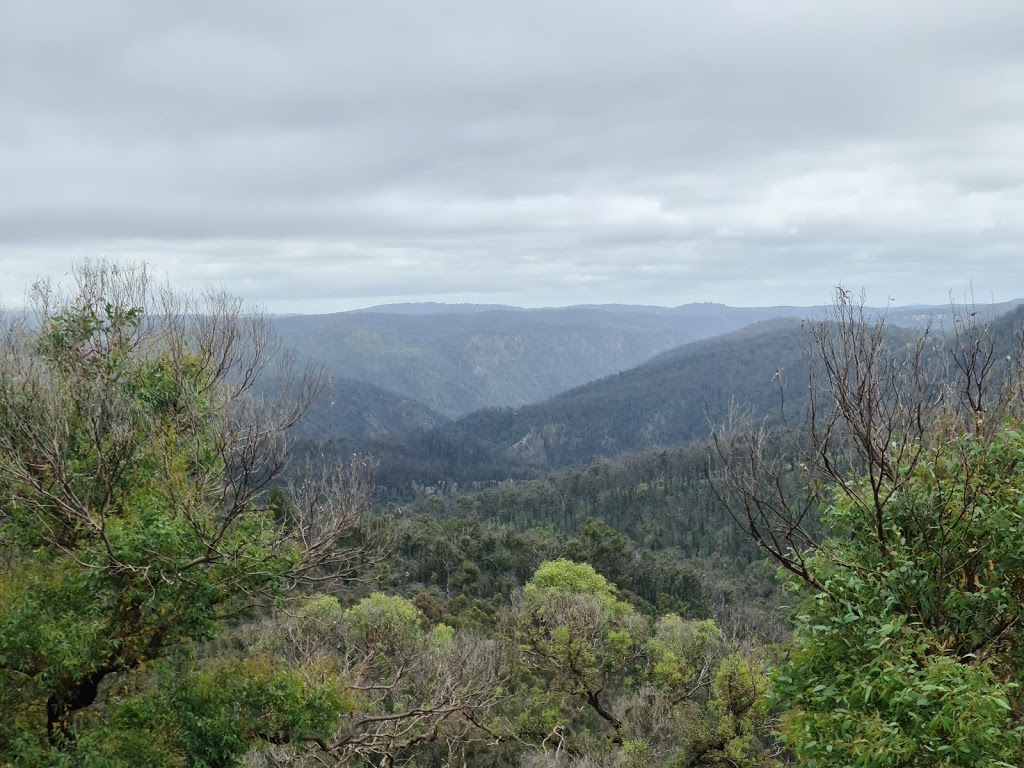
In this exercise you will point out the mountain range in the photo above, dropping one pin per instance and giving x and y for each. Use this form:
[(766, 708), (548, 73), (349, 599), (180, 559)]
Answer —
[(456, 362), (669, 399), (456, 359)]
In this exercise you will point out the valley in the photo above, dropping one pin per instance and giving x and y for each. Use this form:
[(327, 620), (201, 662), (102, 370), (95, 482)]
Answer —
[(612, 528)]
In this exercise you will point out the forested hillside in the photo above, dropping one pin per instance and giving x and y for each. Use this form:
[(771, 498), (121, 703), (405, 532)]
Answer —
[(179, 588), (677, 397), (511, 384), (456, 362), (166, 601), (356, 409), (454, 359), (665, 402), (672, 400)]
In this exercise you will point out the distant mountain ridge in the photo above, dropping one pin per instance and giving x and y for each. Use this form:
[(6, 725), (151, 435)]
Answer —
[(456, 359), (674, 398), (668, 401), (671, 400), (436, 308), (455, 363)]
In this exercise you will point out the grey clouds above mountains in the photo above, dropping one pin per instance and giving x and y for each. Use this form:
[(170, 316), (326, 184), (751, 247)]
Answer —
[(322, 155)]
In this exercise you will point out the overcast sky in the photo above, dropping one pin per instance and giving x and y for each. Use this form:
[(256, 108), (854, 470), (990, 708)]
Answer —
[(319, 156)]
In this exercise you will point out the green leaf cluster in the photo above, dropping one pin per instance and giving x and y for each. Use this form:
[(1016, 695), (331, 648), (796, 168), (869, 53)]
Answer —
[(910, 652)]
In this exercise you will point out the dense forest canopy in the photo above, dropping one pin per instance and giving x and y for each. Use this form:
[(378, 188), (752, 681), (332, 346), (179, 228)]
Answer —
[(183, 585)]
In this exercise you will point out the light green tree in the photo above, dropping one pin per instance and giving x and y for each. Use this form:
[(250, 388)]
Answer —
[(671, 692)]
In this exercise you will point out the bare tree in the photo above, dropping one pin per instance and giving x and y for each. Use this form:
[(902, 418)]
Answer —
[(414, 689), (878, 399)]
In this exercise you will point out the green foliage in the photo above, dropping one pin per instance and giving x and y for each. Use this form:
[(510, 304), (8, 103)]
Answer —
[(212, 713), (141, 730), (465, 554), (636, 519), (484, 558), (577, 630), (383, 625), (909, 654), (567, 577), (681, 651), (143, 585), (225, 705), (629, 691), (131, 527)]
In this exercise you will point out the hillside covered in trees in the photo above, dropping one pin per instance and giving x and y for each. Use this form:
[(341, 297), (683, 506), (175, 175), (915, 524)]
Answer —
[(182, 585), (671, 401), (457, 362), (456, 359)]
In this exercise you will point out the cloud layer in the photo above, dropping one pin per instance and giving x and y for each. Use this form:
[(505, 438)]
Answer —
[(323, 155)]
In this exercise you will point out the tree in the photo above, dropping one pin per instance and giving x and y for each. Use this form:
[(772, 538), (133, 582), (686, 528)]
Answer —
[(134, 462), (670, 692), (408, 688), (912, 656), (907, 637)]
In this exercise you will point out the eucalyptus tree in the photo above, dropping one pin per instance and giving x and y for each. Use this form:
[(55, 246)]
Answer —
[(907, 648), (625, 690), (135, 458)]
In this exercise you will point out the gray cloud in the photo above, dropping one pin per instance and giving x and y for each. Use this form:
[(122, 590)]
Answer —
[(323, 155)]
